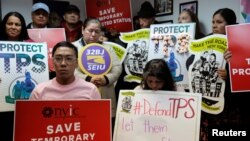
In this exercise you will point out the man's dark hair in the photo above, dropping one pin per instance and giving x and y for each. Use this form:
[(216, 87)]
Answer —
[(64, 44)]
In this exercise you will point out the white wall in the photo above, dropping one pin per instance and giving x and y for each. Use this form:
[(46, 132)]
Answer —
[(24, 7), (206, 8)]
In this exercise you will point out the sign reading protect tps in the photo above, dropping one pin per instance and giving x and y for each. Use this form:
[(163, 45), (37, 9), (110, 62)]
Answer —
[(94, 59), (22, 66)]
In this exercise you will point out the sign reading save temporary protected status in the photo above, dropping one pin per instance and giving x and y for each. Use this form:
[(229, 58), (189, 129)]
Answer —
[(113, 14), (238, 44), (94, 59), (65, 120), (22, 66), (157, 116)]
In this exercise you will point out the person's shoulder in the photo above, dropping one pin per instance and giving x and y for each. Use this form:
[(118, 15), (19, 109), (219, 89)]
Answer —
[(85, 83), (29, 26), (44, 84), (200, 35), (156, 22), (77, 43)]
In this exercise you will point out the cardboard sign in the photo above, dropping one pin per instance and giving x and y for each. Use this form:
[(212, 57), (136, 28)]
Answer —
[(22, 66), (63, 120), (238, 44), (203, 76), (157, 116), (51, 36), (170, 42), (119, 50), (94, 59), (113, 14), (137, 53)]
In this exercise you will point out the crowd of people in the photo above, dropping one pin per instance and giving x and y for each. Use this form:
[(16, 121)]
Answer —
[(69, 82)]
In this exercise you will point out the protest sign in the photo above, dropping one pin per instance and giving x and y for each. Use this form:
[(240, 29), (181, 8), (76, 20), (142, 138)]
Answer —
[(115, 15), (137, 53), (119, 50), (51, 36), (94, 59), (239, 64), (158, 116), (170, 42), (203, 76), (63, 120), (22, 66)]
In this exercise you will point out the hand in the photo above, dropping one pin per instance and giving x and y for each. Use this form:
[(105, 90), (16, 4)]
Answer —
[(98, 81), (222, 73), (227, 55)]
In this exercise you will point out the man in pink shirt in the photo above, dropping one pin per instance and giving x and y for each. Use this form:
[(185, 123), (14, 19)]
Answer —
[(65, 85)]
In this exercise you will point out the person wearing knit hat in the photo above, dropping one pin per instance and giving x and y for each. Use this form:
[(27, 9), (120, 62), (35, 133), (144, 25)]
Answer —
[(40, 16), (72, 23), (146, 15)]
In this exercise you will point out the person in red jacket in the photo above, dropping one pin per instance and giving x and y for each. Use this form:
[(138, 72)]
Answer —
[(72, 23)]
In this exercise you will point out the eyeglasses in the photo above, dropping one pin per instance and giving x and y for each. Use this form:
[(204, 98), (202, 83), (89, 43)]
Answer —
[(67, 59), (92, 30)]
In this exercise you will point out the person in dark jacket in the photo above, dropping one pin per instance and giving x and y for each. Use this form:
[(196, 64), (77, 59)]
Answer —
[(146, 15)]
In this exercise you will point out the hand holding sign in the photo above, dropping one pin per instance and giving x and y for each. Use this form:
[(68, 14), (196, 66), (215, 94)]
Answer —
[(98, 80)]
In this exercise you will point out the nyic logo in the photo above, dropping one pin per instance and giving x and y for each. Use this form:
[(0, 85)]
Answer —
[(58, 112)]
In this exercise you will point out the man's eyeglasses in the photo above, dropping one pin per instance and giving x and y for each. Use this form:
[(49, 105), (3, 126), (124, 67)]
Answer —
[(67, 59)]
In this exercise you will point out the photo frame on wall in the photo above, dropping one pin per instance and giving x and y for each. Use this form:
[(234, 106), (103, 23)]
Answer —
[(163, 7), (192, 6)]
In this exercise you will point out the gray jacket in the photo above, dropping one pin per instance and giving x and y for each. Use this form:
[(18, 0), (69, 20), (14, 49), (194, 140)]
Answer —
[(108, 91)]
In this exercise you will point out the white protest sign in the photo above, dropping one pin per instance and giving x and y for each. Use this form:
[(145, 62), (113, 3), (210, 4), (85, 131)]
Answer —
[(22, 66), (157, 116)]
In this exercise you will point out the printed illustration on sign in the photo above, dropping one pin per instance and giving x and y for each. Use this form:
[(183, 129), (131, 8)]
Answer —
[(137, 57), (21, 88), (203, 74), (169, 50), (137, 54), (171, 42)]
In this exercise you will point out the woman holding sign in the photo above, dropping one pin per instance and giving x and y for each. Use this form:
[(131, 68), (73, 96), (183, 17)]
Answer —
[(234, 113), (235, 108), (12, 28), (98, 64)]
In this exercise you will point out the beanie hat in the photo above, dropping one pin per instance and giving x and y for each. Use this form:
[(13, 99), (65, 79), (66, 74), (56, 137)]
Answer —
[(72, 8), (146, 11), (40, 5)]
